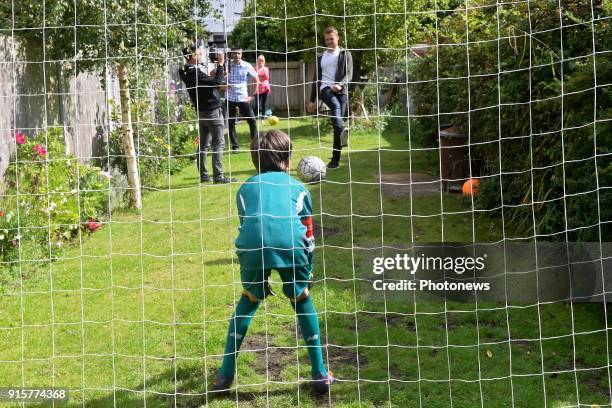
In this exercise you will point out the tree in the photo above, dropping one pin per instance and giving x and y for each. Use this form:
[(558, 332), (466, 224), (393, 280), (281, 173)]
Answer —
[(120, 37), (375, 40), (257, 35)]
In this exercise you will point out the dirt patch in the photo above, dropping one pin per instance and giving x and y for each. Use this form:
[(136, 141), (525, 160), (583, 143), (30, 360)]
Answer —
[(278, 357), (340, 356), (398, 320), (325, 231), (594, 382), (402, 185), (255, 342)]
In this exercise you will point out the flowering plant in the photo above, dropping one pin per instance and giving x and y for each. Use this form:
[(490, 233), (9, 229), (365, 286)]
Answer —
[(50, 195)]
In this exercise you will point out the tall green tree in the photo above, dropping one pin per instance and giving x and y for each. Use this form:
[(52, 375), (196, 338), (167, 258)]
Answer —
[(126, 38), (378, 33), (256, 35)]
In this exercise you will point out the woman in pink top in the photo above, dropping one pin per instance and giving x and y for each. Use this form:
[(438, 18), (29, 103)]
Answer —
[(264, 85)]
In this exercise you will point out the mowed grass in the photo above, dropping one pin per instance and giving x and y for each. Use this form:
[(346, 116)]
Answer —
[(138, 313)]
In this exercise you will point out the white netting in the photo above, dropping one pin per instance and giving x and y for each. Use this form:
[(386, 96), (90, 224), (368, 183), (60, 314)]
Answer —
[(130, 306)]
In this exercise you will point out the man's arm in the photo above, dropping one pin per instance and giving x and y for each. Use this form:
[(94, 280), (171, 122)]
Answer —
[(255, 86), (213, 73), (255, 82), (348, 75), (216, 76), (205, 79), (313, 89)]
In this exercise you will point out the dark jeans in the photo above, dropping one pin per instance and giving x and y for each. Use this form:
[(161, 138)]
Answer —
[(261, 103), (211, 134), (336, 102), (246, 112)]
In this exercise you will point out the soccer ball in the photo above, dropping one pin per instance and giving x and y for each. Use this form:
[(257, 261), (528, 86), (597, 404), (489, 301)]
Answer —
[(311, 169), (273, 120)]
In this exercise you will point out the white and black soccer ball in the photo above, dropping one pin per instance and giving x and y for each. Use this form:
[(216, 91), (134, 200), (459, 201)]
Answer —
[(311, 169)]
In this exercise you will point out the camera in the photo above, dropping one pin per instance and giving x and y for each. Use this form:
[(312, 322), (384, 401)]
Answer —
[(213, 56), (213, 53)]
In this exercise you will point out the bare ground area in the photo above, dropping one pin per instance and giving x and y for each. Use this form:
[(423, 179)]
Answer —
[(405, 185)]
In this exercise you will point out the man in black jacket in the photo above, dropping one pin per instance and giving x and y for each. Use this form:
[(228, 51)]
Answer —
[(333, 74), (204, 93)]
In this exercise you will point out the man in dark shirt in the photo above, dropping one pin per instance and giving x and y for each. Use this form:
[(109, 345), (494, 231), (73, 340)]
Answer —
[(204, 93)]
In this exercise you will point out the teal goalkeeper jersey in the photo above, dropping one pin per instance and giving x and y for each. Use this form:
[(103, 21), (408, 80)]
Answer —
[(275, 230)]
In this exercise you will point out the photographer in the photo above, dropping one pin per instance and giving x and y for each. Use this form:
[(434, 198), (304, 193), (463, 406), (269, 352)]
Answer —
[(204, 93)]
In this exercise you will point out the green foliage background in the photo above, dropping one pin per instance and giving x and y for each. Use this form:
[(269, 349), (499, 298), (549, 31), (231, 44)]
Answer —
[(99, 35), (536, 108), (48, 199)]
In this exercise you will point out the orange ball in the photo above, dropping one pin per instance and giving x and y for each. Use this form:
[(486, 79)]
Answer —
[(471, 187)]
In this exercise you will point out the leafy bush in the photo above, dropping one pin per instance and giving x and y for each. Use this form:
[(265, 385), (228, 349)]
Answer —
[(532, 102), (51, 194), (9, 236), (392, 96), (164, 133), (118, 190)]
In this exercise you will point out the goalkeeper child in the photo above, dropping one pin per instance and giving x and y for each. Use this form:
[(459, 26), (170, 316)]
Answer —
[(275, 212)]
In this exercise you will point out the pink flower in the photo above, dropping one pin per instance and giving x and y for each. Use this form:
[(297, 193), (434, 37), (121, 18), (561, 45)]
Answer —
[(14, 242), (1, 213), (196, 140), (20, 138), (92, 225), (40, 150)]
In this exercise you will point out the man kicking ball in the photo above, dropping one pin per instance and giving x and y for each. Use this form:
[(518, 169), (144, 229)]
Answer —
[(331, 83), (275, 232)]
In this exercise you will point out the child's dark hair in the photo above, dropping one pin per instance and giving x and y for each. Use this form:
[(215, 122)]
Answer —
[(271, 151)]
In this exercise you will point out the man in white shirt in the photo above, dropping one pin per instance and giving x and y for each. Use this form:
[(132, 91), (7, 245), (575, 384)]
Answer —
[(332, 77)]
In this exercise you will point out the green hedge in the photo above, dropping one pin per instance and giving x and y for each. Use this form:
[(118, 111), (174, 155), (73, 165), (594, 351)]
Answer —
[(536, 113)]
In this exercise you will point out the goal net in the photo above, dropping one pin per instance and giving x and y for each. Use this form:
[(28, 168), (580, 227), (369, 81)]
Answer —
[(462, 228)]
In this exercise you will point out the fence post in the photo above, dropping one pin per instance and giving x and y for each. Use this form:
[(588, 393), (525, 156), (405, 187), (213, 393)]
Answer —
[(303, 68), (63, 112)]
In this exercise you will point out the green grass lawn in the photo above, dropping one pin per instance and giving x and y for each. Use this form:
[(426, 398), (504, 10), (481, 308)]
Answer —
[(139, 311)]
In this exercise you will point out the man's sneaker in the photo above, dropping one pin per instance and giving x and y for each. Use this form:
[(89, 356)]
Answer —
[(222, 383), (204, 179), (322, 382), (344, 137), (224, 180), (332, 165)]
